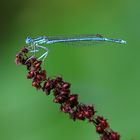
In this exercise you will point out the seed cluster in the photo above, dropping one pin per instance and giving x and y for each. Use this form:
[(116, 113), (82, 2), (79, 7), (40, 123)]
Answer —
[(61, 90)]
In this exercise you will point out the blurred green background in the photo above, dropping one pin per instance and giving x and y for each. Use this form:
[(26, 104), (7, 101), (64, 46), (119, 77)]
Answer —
[(106, 75)]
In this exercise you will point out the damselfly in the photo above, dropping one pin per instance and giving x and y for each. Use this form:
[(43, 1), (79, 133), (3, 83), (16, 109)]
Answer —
[(34, 44)]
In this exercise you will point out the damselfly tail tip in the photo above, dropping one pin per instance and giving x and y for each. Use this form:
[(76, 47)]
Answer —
[(123, 42)]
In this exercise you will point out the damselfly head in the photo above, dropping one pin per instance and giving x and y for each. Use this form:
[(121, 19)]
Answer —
[(28, 40)]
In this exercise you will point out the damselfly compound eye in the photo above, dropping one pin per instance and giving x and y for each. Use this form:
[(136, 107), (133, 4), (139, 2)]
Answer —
[(28, 40)]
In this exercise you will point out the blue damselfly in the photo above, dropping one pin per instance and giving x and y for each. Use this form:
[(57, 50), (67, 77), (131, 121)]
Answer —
[(34, 44)]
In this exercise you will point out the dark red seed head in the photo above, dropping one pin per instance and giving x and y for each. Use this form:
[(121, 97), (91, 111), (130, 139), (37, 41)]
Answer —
[(104, 123), (47, 91), (41, 76), (101, 120), (58, 79), (37, 63), (36, 84), (110, 136), (105, 137), (48, 86), (99, 129), (66, 85), (114, 136), (80, 116), (64, 91), (66, 108), (56, 91), (73, 100), (88, 111), (60, 99), (19, 59), (31, 74), (33, 59), (24, 50)]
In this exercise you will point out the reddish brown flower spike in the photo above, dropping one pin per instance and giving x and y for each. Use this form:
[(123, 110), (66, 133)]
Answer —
[(62, 95)]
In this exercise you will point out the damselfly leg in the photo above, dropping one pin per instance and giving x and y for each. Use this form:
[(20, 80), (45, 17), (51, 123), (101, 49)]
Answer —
[(34, 49), (45, 54)]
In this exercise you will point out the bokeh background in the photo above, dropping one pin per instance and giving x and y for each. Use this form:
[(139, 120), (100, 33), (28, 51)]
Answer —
[(106, 75)]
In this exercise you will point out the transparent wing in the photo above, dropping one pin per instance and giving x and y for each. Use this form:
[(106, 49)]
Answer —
[(76, 40), (76, 36)]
